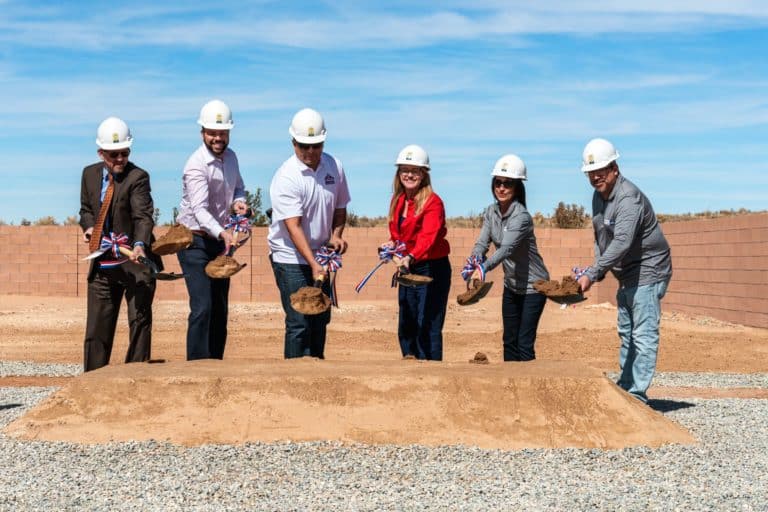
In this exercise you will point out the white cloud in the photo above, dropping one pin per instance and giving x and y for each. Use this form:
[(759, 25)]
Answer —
[(222, 27)]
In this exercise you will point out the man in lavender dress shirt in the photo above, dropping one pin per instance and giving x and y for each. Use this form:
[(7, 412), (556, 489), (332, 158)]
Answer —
[(212, 187)]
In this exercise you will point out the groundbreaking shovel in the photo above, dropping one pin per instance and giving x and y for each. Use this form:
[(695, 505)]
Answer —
[(225, 265), (406, 278), (151, 266), (310, 300)]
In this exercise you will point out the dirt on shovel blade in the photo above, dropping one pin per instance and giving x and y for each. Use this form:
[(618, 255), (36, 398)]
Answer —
[(566, 288), (223, 267), (310, 300)]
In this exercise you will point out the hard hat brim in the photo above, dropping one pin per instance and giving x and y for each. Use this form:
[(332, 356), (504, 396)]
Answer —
[(598, 165), (305, 139), (399, 162), (216, 126), (502, 174), (114, 145)]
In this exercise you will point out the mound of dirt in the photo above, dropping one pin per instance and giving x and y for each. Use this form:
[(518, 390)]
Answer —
[(537, 404), (480, 358)]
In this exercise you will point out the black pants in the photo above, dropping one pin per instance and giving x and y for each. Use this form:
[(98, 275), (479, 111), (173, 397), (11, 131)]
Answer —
[(105, 293), (521, 314)]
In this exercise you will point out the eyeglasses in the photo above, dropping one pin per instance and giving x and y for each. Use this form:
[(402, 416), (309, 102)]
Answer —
[(415, 172), (504, 183), (114, 154), (305, 147)]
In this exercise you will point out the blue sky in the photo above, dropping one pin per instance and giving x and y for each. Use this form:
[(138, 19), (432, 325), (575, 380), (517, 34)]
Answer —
[(681, 88)]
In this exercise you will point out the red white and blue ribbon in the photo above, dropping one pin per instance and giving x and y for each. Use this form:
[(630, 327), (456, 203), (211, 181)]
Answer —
[(386, 253), (112, 243), (331, 261), (578, 272), (474, 262), (239, 224)]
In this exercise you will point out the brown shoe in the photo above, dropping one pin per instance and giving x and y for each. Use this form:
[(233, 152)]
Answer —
[(409, 356)]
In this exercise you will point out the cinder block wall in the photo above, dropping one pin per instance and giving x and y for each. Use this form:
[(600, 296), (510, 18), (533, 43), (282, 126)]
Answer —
[(720, 265), (720, 268)]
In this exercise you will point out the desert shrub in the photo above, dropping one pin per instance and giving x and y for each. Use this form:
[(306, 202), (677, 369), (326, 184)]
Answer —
[(571, 216), (46, 221)]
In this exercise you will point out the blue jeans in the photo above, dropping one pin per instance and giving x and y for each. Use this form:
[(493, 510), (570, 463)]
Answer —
[(521, 314), (208, 300), (422, 311), (639, 315), (304, 334)]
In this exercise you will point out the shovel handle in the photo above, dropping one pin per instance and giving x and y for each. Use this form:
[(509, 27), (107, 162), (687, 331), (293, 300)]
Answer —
[(143, 260)]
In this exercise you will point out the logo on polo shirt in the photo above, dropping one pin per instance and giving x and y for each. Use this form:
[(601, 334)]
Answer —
[(329, 180)]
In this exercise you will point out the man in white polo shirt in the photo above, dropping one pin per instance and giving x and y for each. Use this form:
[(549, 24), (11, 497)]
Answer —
[(309, 196)]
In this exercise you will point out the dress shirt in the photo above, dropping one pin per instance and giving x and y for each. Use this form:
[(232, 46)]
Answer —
[(210, 185)]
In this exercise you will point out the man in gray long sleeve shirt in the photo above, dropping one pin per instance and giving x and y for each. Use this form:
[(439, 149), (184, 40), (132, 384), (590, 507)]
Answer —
[(629, 243)]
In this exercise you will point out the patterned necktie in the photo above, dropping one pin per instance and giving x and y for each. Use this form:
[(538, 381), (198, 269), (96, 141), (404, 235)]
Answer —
[(95, 242)]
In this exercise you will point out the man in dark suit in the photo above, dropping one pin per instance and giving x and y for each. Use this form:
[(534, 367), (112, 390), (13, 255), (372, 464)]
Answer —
[(115, 200)]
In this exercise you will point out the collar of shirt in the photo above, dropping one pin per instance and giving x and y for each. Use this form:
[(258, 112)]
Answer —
[(302, 167), (512, 209), (210, 157), (619, 181)]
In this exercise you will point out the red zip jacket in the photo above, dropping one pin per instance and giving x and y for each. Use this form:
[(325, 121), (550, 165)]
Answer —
[(423, 234)]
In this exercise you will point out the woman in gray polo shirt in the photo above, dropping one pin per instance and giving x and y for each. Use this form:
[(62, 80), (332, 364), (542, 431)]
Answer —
[(508, 225)]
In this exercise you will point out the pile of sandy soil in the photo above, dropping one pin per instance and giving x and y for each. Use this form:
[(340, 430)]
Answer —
[(363, 391)]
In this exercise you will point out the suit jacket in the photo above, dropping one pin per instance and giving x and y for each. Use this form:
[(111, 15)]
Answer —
[(132, 207)]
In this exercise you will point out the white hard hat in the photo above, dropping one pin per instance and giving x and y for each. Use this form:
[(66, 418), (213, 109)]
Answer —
[(598, 153), (215, 115), (113, 133), (413, 155), (307, 127), (510, 166)]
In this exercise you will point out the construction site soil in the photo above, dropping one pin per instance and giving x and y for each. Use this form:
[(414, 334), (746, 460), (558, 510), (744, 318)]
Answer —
[(575, 346)]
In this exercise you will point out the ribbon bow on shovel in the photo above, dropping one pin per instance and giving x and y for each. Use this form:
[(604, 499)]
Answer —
[(331, 262), (386, 253), (225, 266), (476, 288), (118, 245)]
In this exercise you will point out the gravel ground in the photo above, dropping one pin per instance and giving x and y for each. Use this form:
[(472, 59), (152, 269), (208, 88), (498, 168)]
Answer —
[(728, 470), (29, 369), (707, 380)]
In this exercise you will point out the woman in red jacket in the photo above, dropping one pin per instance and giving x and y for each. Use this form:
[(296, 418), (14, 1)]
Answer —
[(417, 219)]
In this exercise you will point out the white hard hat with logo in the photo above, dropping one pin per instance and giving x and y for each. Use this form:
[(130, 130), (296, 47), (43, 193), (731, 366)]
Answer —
[(598, 153), (307, 127), (510, 166), (413, 155), (113, 133), (216, 115)]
